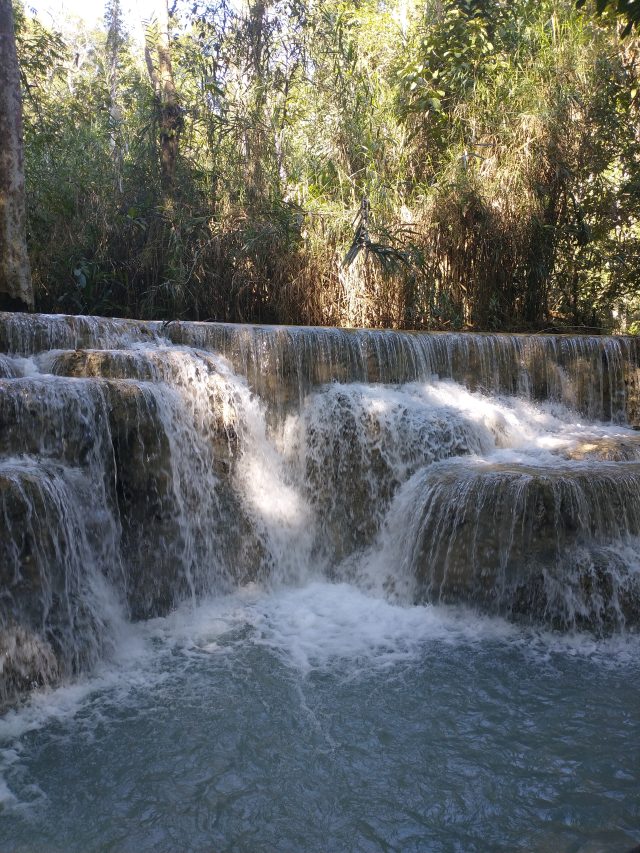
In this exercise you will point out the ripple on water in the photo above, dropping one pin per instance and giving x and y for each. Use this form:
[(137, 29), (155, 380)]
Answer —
[(318, 718)]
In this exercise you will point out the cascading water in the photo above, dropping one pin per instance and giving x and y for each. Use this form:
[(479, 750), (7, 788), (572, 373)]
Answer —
[(148, 471)]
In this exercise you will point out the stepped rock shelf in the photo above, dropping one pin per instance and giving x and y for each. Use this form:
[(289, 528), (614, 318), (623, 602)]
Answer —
[(144, 463)]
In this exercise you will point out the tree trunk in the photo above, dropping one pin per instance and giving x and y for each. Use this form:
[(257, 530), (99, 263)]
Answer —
[(16, 290), (254, 135), (169, 112), (113, 21)]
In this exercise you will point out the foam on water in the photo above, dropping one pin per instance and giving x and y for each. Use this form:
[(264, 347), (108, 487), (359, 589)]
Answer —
[(321, 625), (331, 489), (303, 636), (317, 626), (317, 717), (305, 518)]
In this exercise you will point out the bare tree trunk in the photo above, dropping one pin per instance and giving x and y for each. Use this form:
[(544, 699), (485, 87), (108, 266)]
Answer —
[(254, 134), (169, 112), (113, 21), (16, 290)]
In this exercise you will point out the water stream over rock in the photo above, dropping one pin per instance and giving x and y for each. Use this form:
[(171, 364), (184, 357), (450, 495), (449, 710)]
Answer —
[(311, 589), (144, 464)]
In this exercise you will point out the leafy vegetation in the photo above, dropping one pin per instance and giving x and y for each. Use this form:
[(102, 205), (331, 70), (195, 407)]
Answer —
[(495, 147), (628, 8)]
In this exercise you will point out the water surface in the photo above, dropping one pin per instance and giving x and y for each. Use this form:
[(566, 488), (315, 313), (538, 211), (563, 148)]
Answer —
[(318, 718)]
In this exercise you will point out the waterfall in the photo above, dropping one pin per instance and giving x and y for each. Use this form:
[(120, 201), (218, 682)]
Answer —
[(144, 463)]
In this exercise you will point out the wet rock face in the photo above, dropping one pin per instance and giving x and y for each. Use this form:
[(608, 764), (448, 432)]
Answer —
[(116, 497), (588, 587), (632, 392), (28, 334), (598, 376), (26, 663), (7, 368), (531, 544), (181, 522), (66, 422), (56, 551), (355, 446), (106, 364), (150, 537), (605, 449)]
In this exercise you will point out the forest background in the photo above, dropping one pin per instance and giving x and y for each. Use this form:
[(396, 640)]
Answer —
[(426, 164)]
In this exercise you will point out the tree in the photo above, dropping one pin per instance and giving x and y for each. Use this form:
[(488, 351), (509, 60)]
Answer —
[(629, 8), (16, 291), (114, 46), (168, 105), (496, 142)]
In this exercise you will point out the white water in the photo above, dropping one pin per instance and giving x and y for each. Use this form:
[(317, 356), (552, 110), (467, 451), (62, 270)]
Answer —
[(320, 718), (338, 487), (345, 586)]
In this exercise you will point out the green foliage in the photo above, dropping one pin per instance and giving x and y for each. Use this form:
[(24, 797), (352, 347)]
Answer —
[(628, 8), (496, 143)]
